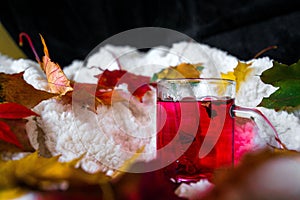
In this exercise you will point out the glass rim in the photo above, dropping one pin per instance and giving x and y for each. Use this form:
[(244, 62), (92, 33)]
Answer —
[(196, 79)]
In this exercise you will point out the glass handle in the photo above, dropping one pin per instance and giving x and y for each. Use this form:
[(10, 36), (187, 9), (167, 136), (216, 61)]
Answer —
[(253, 113)]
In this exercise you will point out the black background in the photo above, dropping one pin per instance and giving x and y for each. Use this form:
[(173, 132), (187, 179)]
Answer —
[(72, 28)]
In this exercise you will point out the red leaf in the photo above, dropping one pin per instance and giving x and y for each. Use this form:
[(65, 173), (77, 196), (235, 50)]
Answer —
[(109, 79), (137, 84), (141, 91), (7, 135), (14, 111)]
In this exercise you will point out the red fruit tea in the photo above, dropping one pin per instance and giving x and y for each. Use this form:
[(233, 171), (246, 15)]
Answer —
[(194, 137)]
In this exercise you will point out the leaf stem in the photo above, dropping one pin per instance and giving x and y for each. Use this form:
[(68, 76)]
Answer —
[(23, 34), (265, 50)]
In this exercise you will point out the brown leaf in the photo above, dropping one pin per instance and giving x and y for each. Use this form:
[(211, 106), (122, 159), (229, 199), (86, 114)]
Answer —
[(13, 88)]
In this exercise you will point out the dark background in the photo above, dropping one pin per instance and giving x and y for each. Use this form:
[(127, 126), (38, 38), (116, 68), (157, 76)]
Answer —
[(72, 28)]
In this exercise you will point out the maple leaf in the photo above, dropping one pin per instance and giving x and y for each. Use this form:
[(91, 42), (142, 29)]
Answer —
[(240, 74), (13, 88), (137, 84), (183, 70), (57, 80), (11, 115), (287, 79)]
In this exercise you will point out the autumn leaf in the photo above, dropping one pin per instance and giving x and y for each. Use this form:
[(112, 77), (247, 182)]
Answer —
[(18, 128), (110, 79), (7, 135), (41, 173), (287, 79), (137, 84), (141, 91), (11, 125), (183, 70), (35, 171), (57, 80), (11, 110), (13, 88), (12, 193), (240, 74)]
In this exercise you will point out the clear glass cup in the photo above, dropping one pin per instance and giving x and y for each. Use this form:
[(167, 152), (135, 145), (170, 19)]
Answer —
[(195, 126)]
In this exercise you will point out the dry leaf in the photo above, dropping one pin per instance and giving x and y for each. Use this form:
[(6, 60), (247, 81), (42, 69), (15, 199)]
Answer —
[(15, 89), (57, 80)]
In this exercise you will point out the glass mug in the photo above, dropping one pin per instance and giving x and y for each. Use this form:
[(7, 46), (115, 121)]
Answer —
[(195, 126)]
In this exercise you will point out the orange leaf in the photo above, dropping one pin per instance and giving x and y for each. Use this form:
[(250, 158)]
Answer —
[(57, 80), (14, 111), (15, 89)]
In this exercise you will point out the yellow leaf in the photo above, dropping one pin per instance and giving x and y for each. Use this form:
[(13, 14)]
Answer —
[(12, 193), (229, 75), (39, 172), (183, 70), (240, 74)]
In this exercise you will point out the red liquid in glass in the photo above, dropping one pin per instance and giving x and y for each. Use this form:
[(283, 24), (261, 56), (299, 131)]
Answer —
[(194, 137)]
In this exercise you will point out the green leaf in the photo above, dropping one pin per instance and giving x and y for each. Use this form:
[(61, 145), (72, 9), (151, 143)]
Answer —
[(287, 79)]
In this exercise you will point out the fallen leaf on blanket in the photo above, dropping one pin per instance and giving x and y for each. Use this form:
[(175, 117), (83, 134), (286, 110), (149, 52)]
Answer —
[(183, 70), (287, 79), (111, 79), (15, 89), (57, 80), (87, 96), (240, 74)]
